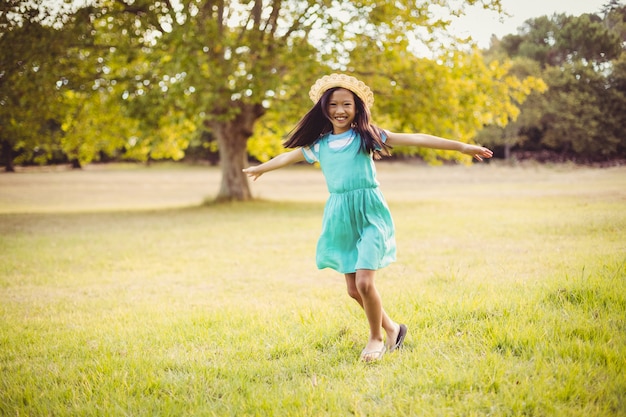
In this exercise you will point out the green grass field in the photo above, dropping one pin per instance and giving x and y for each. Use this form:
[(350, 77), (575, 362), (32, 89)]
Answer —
[(122, 295)]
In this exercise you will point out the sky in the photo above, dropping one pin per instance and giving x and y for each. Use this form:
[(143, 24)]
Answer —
[(481, 24)]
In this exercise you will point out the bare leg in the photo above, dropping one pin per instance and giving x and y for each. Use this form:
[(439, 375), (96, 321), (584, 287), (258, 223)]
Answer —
[(361, 287)]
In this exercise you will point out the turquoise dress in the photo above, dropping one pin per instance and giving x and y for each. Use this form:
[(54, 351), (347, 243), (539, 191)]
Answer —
[(357, 228)]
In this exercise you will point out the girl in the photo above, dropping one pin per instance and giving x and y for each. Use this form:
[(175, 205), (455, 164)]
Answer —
[(357, 235)]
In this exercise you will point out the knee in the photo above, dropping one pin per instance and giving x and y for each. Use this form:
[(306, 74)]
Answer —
[(354, 292), (364, 286), (364, 282)]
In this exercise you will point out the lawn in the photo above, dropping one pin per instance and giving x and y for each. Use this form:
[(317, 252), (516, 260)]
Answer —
[(121, 294)]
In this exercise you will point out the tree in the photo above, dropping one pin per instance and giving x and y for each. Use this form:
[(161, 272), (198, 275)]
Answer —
[(516, 131), (580, 59), (179, 68), (223, 63), (54, 102), (562, 39), (241, 61), (29, 105)]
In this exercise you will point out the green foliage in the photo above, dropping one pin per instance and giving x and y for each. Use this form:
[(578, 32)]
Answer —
[(141, 80), (213, 64), (56, 105), (574, 113), (30, 105), (95, 127), (530, 111), (560, 39), (581, 61), (452, 96)]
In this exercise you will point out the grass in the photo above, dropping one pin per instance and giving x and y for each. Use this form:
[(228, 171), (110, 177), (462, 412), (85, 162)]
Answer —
[(121, 295)]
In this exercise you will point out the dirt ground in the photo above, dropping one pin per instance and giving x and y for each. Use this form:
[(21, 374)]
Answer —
[(123, 187)]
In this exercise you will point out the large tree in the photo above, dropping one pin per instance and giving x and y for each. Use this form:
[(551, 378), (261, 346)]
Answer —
[(30, 105), (235, 62), (230, 60), (55, 104)]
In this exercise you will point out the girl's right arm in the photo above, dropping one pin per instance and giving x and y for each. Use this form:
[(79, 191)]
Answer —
[(279, 161)]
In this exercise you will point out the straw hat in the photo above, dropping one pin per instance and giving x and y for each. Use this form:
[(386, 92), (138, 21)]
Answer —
[(345, 81)]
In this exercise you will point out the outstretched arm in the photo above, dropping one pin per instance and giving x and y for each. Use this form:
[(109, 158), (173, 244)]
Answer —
[(279, 161), (435, 142)]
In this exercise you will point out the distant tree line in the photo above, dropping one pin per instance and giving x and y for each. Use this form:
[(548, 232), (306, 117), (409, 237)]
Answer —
[(582, 114)]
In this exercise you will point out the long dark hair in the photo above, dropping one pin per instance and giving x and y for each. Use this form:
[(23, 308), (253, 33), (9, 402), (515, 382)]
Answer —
[(317, 123)]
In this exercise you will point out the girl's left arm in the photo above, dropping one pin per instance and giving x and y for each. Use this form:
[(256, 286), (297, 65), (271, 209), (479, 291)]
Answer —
[(434, 142)]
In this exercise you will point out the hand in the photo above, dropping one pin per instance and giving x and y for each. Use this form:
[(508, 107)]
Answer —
[(252, 172), (478, 152)]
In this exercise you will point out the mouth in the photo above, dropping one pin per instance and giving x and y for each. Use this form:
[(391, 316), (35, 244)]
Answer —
[(341, 119)]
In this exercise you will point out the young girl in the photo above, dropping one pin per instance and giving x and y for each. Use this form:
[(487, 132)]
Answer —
[(357, 235)]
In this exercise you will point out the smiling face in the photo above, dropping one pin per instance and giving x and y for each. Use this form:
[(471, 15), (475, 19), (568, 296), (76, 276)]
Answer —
[(341, 110)]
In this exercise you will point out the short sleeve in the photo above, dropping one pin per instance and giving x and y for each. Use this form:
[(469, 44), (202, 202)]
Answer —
[(312, 152), (383, 136)]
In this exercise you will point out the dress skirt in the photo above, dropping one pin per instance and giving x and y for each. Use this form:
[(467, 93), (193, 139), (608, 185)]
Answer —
[(357, 232)]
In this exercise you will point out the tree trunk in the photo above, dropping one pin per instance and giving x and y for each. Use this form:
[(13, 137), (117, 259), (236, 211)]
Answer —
[(232, 137), (6, 153), (507, 150)]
